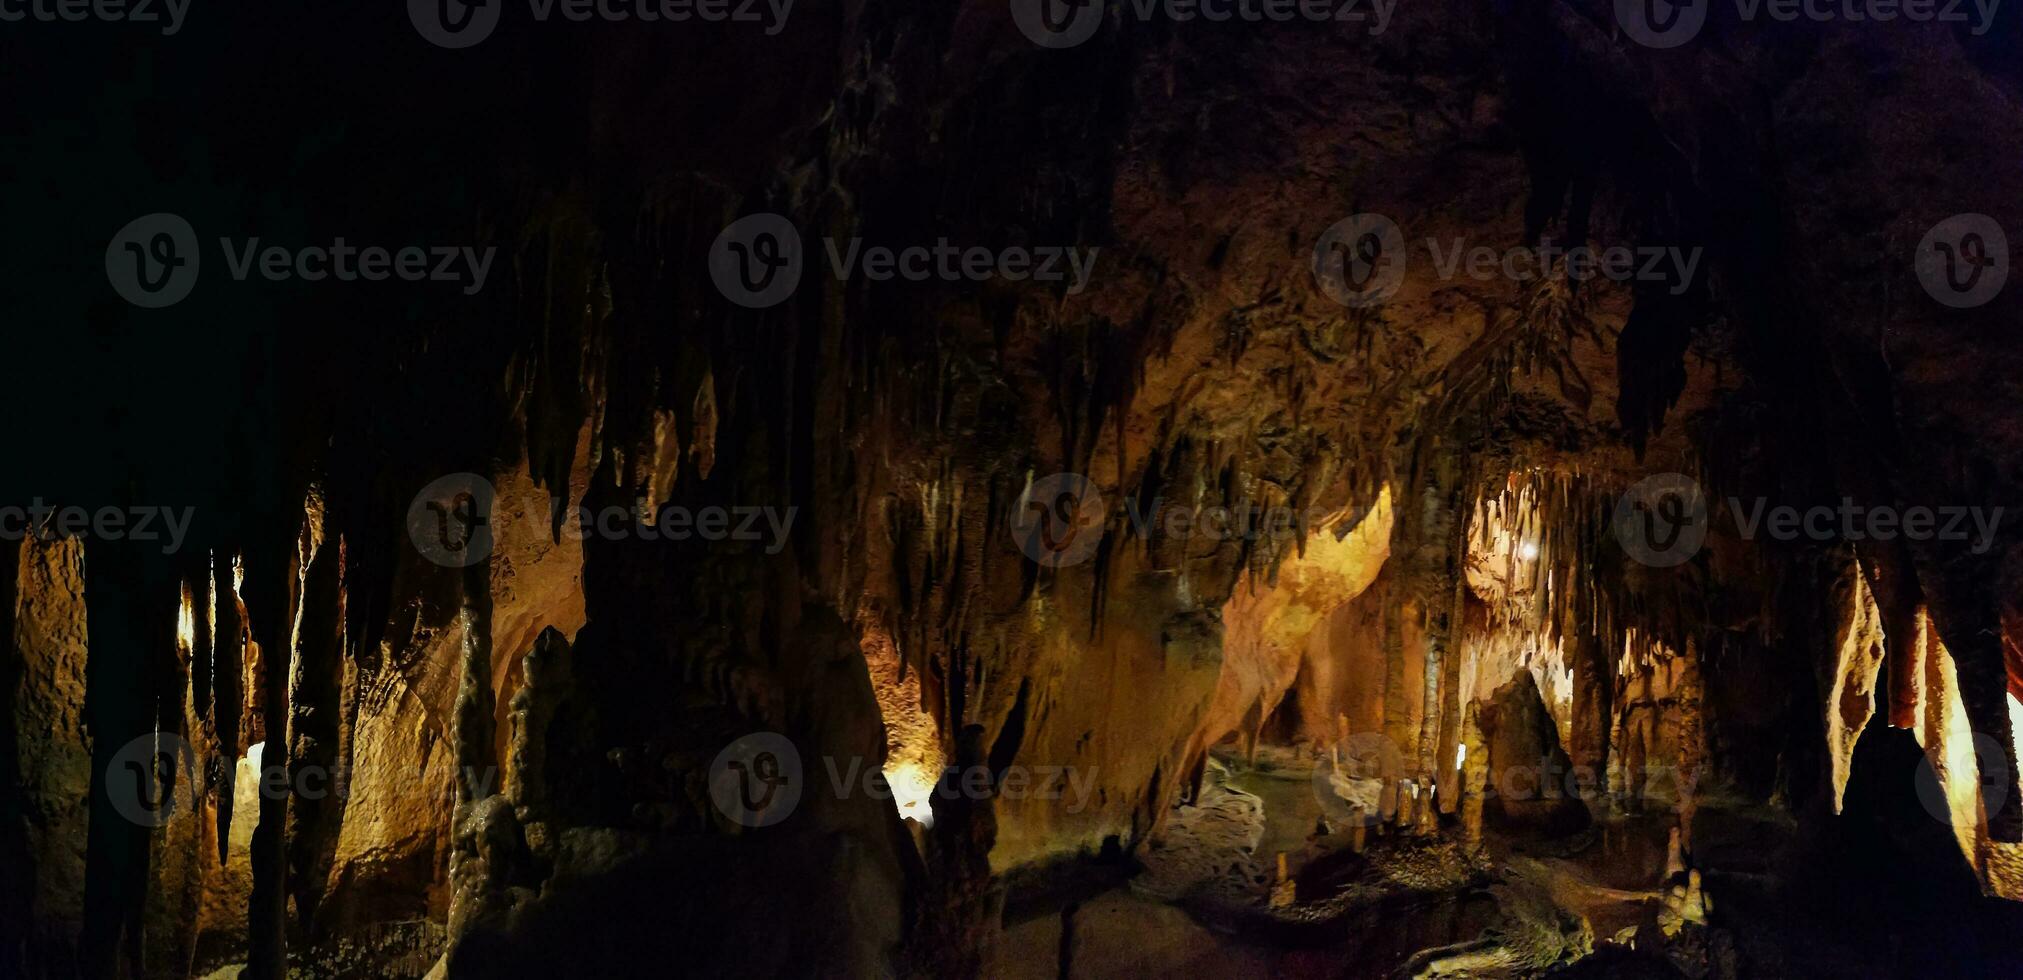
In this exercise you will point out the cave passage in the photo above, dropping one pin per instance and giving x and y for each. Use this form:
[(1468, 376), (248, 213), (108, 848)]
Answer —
[(1028, 489)]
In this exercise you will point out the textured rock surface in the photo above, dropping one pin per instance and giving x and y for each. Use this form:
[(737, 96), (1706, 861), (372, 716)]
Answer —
[(1468, 438), (54, 751)]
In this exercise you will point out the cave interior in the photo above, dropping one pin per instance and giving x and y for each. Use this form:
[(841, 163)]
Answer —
[(1171, 510)]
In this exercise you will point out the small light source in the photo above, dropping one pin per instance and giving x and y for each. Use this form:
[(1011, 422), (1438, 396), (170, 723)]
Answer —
[(1460, 754), (1527, 551)]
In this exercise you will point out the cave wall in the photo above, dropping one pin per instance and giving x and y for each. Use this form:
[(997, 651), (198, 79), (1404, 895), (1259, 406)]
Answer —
[(906, 421)]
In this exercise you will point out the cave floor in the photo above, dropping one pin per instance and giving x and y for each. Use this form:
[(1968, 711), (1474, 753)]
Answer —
[(1204, 903), (1602, 902)]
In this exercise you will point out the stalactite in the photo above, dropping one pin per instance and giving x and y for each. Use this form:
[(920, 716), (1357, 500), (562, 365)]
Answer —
[(313, 730), (1896, 595), (1398, 697), (664, 452), (1448, 717), (274, 572), (1967, 615), (1593, 702), (528, 779), (175, 870), (1850, 664), (203, 652), (702, 444), (1426, 758), (131, 605), (229, 700)]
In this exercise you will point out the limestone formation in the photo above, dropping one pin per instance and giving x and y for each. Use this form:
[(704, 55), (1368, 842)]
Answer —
[(1194, 497)]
